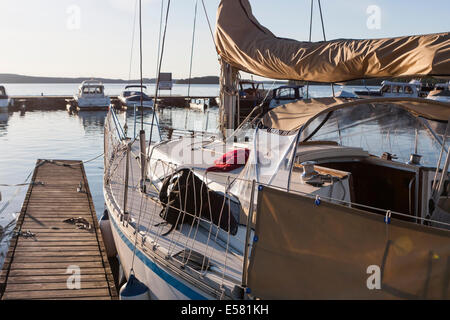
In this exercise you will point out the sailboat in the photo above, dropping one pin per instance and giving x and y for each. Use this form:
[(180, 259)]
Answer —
[(305, 202)]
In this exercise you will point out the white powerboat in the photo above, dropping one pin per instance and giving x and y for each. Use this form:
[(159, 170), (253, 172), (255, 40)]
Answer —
[(441, 92), (90, 96), (285, 94), (131, 97), (391, 89), (199, 104), (5, 101)]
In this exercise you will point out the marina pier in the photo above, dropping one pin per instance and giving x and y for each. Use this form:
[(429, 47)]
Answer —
[(57, 250), (60, 102)]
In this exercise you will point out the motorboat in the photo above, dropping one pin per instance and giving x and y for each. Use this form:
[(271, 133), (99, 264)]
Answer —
[(199, 104), (313, 201), (90, 96), (5, 101), (131, 97), (285, 94), (441, 92), (393, 89), (251, 95)]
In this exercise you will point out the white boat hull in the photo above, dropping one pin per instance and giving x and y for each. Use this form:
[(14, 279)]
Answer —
[(440, 98), (4, 103), (162, 283), (133, 104), (198, 106), (92, 102)]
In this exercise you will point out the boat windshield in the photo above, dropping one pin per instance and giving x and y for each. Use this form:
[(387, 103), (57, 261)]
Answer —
[(93, 90), (286, 93), (2, 91), (132, 93), (379, 130)]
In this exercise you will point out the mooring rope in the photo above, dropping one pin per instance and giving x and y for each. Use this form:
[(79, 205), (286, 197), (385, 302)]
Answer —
[(26, 183)]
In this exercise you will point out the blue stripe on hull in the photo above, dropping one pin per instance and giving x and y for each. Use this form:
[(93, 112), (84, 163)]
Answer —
[(172, 281)]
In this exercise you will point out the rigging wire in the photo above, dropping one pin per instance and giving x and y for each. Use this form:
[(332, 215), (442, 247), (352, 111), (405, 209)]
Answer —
[(153, 120), (310, 37), (192, 49), (25, 183), (159, 37), (209, 24), (132, 40), (158, 78), (140, 63)]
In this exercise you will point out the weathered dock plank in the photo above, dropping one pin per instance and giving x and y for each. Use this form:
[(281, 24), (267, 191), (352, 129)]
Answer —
[(49, 257)]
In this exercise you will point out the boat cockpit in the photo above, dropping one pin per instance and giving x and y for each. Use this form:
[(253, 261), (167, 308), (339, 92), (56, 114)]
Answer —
[(249, 89), (91, 88), (285, 94), (375, 156)]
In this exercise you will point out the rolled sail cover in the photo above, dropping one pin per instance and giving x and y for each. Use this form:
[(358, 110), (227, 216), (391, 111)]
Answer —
[(245, 44)]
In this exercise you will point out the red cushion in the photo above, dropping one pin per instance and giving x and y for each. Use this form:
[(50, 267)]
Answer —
[(231, 160)]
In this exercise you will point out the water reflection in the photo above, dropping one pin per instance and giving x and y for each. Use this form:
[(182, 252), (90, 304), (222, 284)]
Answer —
[(4, 116), (92, 120)]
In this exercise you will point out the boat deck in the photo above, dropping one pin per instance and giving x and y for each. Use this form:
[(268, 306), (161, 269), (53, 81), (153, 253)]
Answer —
[(225, 255), (46, 252)]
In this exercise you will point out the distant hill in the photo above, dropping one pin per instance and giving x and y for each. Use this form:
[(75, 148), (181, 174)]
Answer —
[(16, 78), (199, 80)]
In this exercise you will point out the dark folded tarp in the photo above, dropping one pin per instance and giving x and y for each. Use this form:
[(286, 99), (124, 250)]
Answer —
[(186, 198)]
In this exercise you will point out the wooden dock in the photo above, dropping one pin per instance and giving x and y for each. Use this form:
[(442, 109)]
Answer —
[(60, 102), (46, 254)]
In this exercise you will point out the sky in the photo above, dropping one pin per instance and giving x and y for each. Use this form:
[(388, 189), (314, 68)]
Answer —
[(93, 38)]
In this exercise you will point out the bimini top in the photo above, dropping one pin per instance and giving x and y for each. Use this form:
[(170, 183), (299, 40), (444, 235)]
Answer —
[(91, 83), (135, 86), (245, 44), (293, 116)]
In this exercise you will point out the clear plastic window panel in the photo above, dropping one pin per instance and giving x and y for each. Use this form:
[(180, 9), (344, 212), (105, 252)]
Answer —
[(381, 129)]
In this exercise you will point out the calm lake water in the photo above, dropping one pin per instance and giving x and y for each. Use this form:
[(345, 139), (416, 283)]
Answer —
[(28, 136), (114, 89)]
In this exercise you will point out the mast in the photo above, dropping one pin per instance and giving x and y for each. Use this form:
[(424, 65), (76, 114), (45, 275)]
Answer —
[(192, 49), (142, 132), (229, 94)]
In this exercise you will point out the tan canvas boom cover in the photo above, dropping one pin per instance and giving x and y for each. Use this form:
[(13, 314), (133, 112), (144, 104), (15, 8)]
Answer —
[(245, 44), (330, 251)]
